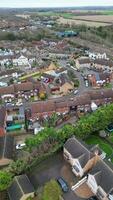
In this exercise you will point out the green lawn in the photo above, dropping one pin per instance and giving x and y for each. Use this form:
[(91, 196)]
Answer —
[(107, 12), (108, 85), (103, 145), (34, 74)]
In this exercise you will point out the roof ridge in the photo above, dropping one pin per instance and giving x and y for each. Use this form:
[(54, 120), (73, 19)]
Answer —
[(4, 146), (19, 184)]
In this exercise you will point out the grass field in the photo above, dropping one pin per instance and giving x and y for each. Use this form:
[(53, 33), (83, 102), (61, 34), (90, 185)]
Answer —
[(35, 74), (107, 12), (111, 138), (102, 144)]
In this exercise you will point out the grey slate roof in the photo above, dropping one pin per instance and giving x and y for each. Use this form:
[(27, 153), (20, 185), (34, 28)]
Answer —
[(83, 159), (2, 116), (103, 175), (20, 186), (6, 146), (75, 148)]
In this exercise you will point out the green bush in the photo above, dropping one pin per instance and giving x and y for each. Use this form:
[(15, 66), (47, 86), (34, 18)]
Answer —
[(5, 180)]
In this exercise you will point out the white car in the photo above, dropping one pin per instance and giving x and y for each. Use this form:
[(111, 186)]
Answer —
[(86, 83), (76, 92), (37, 130), (19, 104), (20, 146)]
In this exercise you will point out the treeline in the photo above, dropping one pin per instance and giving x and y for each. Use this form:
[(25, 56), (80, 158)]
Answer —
[(87, 125), (102, 34), (22, 36)]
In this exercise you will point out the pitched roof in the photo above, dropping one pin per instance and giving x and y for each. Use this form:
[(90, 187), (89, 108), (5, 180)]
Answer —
[(84, 61), (104, 76), (83, 159), (24, 86), (105, 178), (20, 186), (7, 90), (75, 148), (2, 116), (6, 146), (43, 106), (104, 62)]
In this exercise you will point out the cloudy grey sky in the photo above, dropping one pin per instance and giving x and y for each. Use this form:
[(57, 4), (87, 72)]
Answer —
[(54, 3)]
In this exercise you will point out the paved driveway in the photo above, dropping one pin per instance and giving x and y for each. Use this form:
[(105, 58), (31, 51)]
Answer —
[(53, 168)]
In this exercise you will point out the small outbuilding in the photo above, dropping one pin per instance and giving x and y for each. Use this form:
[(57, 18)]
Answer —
[(21, 188)]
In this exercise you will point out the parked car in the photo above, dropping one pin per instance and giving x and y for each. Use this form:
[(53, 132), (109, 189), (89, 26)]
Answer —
[(20, 146), (76, 92), (38, 129), (71, 99), (63, 184), (19, 104), (93, 198), (86, 83)]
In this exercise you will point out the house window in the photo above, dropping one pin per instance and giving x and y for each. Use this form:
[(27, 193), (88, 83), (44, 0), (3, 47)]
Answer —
[(110, 197), (100, 194), (76, 168)]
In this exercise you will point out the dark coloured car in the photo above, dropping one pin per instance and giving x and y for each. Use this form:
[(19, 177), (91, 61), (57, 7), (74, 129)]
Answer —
[(93, 198), (63, 184)]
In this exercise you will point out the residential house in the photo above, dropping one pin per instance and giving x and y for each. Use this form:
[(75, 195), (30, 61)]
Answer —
[(22, 61), (6, 150), (101, 97), (100, 180), (15, 89), (57, 55), (79, 156), (79, 104), (88, 163), (21, 188), (66, 88), (102, 64), (100, 79), (47, 108), (97, 55), (82, 63)]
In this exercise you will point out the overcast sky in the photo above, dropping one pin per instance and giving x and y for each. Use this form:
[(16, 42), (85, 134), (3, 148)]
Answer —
[(54, 3)]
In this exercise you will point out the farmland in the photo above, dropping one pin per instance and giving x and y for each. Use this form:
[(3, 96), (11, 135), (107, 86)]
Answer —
[(89, 18), (83, 21), (96, 18)]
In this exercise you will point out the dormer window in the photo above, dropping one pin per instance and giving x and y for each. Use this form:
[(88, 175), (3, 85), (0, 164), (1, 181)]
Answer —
[(76, 168)]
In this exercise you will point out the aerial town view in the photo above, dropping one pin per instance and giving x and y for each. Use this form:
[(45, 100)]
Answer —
[(56, 100)]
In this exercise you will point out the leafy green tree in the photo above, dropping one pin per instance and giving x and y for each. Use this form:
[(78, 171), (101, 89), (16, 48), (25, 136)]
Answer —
[(52, 191), (52, 120), (17, 167), (5, 180)]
